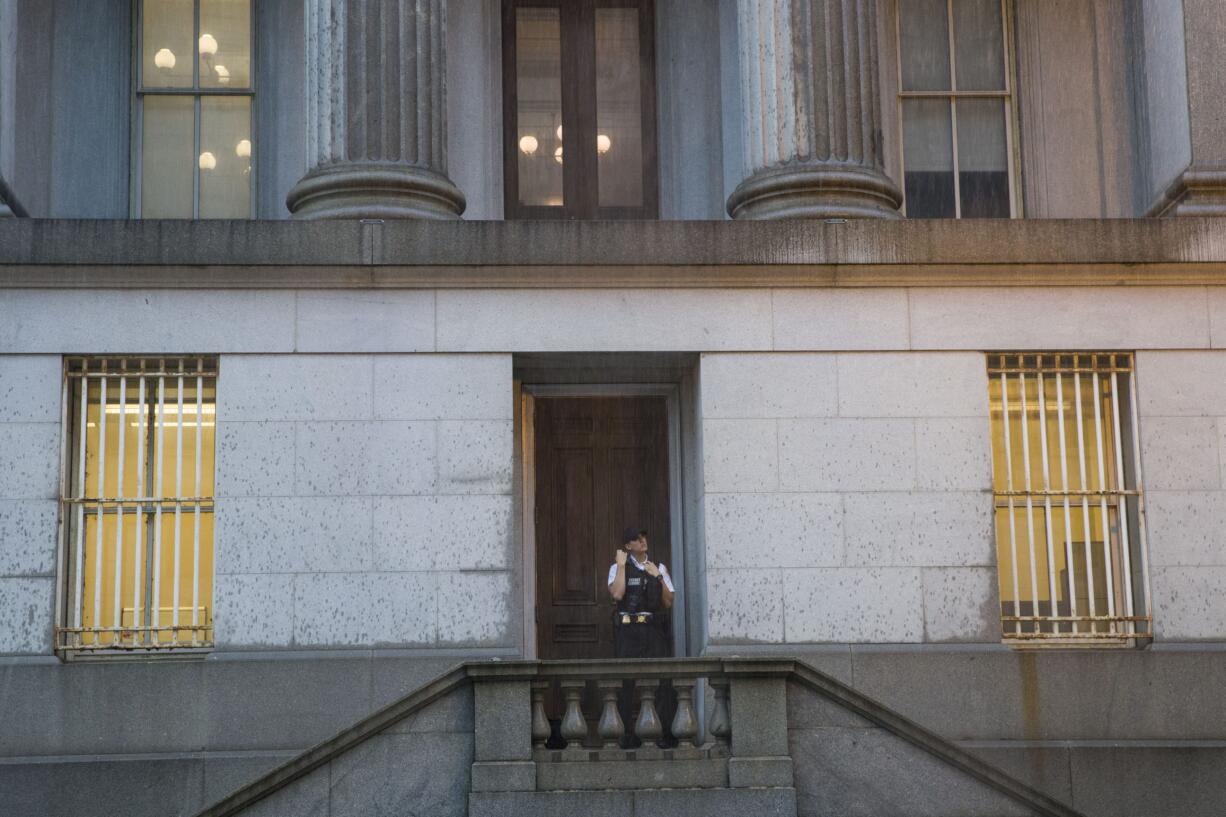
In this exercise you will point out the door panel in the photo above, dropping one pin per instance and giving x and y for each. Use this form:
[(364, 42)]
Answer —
[(601, 466)]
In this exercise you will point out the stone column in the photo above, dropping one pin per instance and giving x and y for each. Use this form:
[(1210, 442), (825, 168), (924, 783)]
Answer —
[(811, 119), (1200, 187), (8, 100), (376, 112)]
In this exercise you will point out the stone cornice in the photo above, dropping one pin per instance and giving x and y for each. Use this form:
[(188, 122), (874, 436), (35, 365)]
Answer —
[(344, 254)]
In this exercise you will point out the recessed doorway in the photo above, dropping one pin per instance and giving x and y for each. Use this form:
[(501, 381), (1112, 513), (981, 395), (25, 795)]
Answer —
[(597, 458)]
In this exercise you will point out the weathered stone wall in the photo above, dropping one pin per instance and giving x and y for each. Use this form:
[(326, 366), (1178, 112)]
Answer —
[(847, 497), (364, 500), (365, 448), (419, 766), (1078, 140), (29, 487), (1182, 412)]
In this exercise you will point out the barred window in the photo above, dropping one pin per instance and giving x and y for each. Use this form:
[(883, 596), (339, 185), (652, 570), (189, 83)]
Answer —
[(137, 503), (1070, 527)]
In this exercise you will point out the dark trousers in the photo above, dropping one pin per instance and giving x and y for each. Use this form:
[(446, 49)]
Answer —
[(644, 641), (640, 641)]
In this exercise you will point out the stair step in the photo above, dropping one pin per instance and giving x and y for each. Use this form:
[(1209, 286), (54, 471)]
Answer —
[(655, 774), (704, 802)]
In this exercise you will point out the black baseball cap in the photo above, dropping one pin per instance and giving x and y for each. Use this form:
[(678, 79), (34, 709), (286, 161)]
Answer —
[(630, 534)]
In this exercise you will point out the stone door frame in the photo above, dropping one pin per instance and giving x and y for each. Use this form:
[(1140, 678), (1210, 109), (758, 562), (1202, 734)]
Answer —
[(527, 442)]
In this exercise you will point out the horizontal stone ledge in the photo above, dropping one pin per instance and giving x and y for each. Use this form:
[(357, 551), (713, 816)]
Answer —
[(576, 275), (640, 244)]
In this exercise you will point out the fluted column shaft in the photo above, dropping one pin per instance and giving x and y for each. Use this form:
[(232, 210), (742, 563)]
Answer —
[(376, 112), (8, 100), (811, 119)]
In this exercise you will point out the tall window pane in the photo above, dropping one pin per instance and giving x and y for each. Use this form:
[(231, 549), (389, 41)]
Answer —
[(197, 149), (983, 171), (924, 40), (579, 111), (539, 106), (928, 158), (979, 45), (619, 115), (166, 43), (167, 161), (955, 109), (225, 157), (225, 43)]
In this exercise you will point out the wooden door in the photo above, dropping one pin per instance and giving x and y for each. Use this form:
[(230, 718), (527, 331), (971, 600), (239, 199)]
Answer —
[(601, 466)]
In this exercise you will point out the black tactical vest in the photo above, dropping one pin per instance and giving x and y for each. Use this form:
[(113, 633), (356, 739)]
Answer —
[(644, 592)]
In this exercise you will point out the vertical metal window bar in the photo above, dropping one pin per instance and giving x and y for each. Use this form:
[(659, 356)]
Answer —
[(1102, 564), (107, 561)]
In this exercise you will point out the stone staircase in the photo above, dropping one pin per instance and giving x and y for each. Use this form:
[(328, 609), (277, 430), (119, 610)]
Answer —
[(722, 764), (754, 736)]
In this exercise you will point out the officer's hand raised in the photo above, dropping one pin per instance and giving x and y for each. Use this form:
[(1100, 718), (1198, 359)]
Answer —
[(651, 568), (621, 557)]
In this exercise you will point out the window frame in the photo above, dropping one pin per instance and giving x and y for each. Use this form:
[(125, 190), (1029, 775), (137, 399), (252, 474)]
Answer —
[(197, 93), (69, 593), (1113, 450), (1008, 95), (580, 189)]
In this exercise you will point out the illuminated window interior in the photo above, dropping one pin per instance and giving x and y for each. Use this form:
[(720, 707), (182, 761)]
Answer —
[(194, 93), (1070, 531), (138, 503)]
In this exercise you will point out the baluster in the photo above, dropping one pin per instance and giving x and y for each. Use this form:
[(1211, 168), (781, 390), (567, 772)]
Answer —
[(574, 727), (647, 727), (685, 722), (720, 724), (540, 723), (610, 727)]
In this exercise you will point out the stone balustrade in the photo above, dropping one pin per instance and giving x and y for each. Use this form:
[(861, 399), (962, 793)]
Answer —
[(611, 736), (590, 725)]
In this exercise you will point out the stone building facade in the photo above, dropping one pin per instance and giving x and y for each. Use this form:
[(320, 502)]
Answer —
[(377, 337)]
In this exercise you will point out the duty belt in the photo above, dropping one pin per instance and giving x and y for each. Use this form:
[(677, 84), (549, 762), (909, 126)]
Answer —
[(633, 618)]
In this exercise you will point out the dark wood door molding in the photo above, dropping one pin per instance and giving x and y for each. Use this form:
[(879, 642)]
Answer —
[(580, 179), (601, 465)]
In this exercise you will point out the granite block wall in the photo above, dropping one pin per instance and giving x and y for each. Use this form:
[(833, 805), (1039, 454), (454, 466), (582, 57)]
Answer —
[(29, 487), (848, 498), (1182, 411), (364, 501)]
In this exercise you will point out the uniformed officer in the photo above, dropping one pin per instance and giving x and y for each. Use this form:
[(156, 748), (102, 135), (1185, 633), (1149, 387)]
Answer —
[(643, 592)]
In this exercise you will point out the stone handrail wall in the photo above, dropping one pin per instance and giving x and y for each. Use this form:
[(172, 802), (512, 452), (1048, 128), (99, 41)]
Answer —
[(518, 749), (506, 765)]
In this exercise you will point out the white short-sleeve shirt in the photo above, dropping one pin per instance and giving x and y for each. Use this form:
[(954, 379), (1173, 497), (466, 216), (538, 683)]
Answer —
[(668, 582)]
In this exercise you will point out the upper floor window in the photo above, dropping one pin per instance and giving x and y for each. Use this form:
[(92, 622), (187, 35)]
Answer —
[(193, 143), (137, 504), (955, 101), (579, 109), (1070, 532)]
